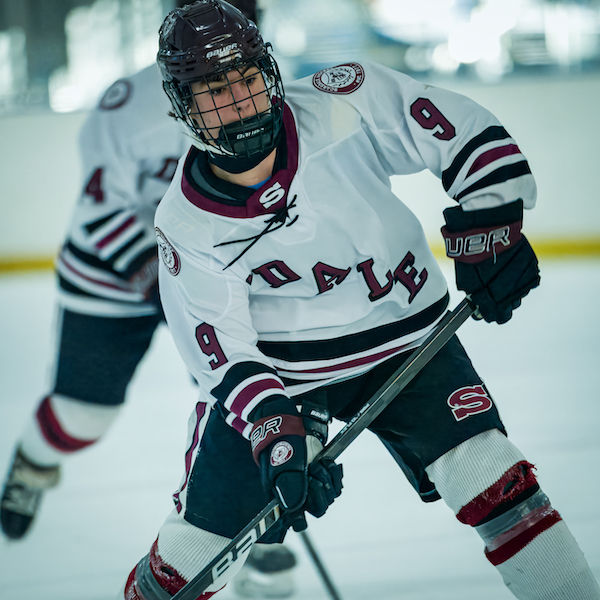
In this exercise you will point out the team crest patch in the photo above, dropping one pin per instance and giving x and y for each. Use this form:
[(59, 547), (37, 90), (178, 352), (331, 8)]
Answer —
[(168, 253), (281, 453), (116, 95), (343, 79)]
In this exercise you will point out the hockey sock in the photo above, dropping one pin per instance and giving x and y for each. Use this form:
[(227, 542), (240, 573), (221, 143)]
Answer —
[(489, 485), (178, 555), (154, 579), (536, 554), (61, 426)]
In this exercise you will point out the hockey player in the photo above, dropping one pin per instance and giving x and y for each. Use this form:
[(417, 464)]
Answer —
[(294, 282), (108, 300)]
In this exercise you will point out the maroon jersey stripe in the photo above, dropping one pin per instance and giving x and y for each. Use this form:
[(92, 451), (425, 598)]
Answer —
[(115, 233), (491, 155)]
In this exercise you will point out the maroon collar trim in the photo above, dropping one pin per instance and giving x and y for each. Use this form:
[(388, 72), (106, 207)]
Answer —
[(268, 198)]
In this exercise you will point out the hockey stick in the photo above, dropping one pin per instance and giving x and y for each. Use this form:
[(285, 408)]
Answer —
[(320, 567), (243, 541)]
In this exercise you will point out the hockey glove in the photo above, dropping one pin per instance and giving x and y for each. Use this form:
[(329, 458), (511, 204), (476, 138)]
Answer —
[(283, 448), (324, 476), (494, 263)]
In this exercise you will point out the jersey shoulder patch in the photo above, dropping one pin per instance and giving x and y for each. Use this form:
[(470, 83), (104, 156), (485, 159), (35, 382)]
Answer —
[(343, 79), (168, 253), (116, 95)]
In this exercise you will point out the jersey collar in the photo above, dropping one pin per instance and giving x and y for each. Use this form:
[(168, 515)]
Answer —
[(269, 198)]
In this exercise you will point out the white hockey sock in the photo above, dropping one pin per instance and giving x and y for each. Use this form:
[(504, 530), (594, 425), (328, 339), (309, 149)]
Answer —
[(458, 480), (529, 544), (188, 549), (61, 426), (550, 567)]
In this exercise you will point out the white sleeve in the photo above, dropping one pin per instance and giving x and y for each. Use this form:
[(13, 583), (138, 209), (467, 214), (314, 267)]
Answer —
[(416, 126), (209, 317)]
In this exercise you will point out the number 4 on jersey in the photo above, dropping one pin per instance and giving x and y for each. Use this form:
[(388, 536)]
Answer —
[(94, 186)]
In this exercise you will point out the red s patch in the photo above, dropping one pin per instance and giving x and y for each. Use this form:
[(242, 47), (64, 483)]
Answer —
[(470, 400)]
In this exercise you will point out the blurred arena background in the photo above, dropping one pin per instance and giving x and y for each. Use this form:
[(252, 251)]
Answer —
[(534, 63)]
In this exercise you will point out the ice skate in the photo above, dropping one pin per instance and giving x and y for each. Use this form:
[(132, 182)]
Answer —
[(22, 494), (268, 573)]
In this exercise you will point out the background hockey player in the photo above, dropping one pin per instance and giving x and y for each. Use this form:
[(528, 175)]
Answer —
[(108, 302), (294, 282)]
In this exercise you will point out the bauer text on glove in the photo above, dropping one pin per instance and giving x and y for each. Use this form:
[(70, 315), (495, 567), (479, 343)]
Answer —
[(494, 263)]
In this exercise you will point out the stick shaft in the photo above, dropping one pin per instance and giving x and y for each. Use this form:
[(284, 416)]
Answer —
[(397, 382), (320, 567), (367, 414)]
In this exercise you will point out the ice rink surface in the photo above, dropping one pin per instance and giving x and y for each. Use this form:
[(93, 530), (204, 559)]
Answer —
[(378, 540)]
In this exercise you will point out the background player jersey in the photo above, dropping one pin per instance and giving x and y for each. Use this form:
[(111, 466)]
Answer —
[(129, 148), (323, 272)]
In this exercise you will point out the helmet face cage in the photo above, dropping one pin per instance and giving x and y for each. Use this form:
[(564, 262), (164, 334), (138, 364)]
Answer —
[(235, 111)]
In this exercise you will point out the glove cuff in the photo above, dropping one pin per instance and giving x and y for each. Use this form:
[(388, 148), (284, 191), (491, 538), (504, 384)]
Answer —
[(475, 236), (316, 419), (458, 219), (476, 245), (266, 431)]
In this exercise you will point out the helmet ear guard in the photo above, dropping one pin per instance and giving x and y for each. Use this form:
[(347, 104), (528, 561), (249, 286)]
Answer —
[(205, 42)]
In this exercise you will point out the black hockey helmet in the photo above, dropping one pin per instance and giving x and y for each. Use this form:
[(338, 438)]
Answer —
[(209, 41), (248, 7)]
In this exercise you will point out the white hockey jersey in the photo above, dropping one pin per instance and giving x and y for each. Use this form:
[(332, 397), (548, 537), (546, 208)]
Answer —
[(323, 272), (129, 149)]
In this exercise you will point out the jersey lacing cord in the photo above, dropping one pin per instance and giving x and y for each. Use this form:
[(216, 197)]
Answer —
[(272, 224)]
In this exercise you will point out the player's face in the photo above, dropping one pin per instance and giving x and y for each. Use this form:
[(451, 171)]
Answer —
[(235, 95)]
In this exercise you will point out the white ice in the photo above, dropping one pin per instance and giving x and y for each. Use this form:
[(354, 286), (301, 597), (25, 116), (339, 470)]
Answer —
[(378, 540)]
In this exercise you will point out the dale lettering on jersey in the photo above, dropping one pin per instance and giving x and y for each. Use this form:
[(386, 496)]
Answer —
[(276, 273)]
